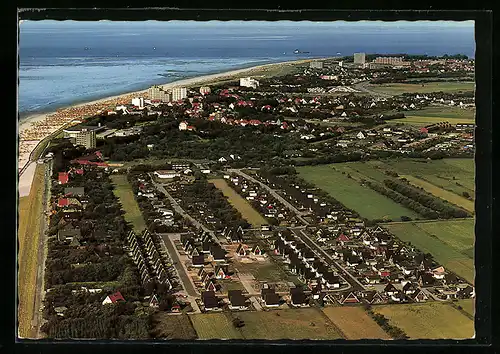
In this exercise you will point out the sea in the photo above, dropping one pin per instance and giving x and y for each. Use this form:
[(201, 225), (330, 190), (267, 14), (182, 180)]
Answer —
[(67, 62)]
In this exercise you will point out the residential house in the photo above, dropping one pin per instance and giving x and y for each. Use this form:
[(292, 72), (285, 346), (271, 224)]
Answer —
[(298, 297), (221, 272), (198, 261), (390, 289), (350, 298), (113, 298), (241, 250), (210, 301), (237, 301), (418, 296)]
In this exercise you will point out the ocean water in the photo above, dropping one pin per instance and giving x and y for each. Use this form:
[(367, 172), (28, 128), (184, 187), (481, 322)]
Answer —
[(66, 62)]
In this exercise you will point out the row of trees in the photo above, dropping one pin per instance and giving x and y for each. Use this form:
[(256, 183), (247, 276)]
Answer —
[(403, 200), (418, 194), (394, 331)]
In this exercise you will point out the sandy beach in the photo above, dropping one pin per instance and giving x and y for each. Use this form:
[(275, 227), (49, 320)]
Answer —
[(37, 127)]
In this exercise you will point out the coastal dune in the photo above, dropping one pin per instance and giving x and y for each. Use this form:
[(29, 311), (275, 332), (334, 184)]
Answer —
[(33, 129)]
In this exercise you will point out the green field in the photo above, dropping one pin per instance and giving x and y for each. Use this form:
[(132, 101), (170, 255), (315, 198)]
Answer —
[(451, 197), (167, 326), (400, 88), (454, 175), (442, 111), (467, 305), (435, 114), (355, 323), (431, 320), (123, 190), (247, 211), (215, 326), (422, 121), (348, 191), (451, 242), (307, 323)]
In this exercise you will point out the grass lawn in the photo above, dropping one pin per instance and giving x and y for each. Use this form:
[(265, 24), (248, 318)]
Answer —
[(400, 88), (123, 190), (246, 210), (355, 323), (432, 320), (451, 197), (215, 326), (172, 326), (362, 199), (450, 242), (307, 323), (30, 217)]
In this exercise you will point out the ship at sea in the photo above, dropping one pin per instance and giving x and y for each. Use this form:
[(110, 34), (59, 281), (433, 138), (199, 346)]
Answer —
[(297, 51)]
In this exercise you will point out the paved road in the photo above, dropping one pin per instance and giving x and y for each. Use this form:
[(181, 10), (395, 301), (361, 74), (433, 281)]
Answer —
[(273, 193), (354, 283), (187, 283), (363, 86)]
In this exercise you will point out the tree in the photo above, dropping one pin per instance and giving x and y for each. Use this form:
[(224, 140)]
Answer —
[(466, 195)]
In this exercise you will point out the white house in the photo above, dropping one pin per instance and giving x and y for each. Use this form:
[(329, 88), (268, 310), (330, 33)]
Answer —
[(138, 102), (360, 135), (167, 174), (183, 125), (249, 82)]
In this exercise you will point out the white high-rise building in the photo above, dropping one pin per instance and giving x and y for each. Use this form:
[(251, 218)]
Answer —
[(316, 65), (179, 93), (138, 102), (249, 82), (359, 58), (205, 90), (158, 93)]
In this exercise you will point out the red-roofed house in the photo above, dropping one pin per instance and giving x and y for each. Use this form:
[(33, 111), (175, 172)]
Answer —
[(255, 122), (424, 130), (113, 298), (190, 127), (79, 171), (343, 238), (63, 177), (63, 202), (98, 154)]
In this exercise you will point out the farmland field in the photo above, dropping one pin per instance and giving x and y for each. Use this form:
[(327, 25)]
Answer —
[(365, 201), (172, 327), (445, 112), (307, 323), (30, 216), (467, 305), (422, 121), (355, 323), (215, 326), (432, 320), (400, 88), (453, 198), (451, 242), (455, 175), (246, 210), (123, 190)]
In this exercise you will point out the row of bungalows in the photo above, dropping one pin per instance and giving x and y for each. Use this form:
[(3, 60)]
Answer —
[(202, 248), (149, 258), (243, 250), (259, 198), (303, 262)]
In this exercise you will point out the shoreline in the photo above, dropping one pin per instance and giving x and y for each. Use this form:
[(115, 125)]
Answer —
[(36, 127)]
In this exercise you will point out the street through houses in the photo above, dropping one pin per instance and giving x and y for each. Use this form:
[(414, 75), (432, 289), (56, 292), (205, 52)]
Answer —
[(187, 284), (353, 282), (179, 209), (273, 193)]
